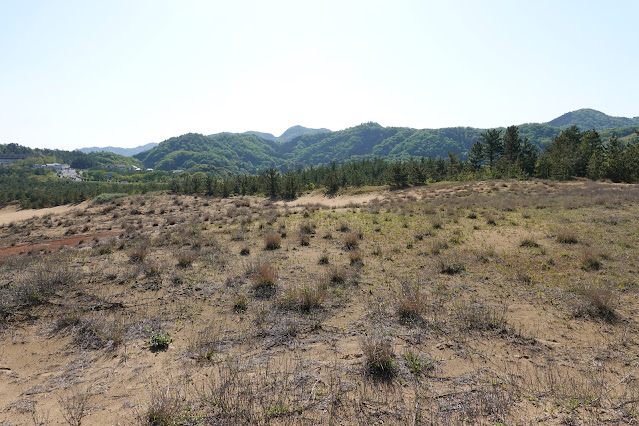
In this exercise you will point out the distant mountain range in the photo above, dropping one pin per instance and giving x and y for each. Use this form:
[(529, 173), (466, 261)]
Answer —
[(288, 135), (298, 146), (128, 152)]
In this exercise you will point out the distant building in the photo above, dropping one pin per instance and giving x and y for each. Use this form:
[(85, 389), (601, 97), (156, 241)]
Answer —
[(11, 158)]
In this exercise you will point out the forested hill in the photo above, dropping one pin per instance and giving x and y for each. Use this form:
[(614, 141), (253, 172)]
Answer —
[(587, 119), (226, 153), (230, 153)]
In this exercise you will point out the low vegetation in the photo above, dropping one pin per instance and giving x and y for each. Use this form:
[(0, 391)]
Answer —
[(384, 306)]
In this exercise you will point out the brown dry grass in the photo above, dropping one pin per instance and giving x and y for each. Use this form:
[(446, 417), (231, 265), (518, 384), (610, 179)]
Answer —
[(436, 317)]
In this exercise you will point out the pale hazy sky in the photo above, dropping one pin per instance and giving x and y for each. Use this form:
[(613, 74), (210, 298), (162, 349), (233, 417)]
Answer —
[(125, 72)]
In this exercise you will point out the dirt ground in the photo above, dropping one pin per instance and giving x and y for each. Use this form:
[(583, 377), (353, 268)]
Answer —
[(499, 302)]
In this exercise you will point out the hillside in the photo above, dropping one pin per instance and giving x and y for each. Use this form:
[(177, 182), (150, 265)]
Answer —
[(247, 153), (587, 119), (229, 153), (225, 153)]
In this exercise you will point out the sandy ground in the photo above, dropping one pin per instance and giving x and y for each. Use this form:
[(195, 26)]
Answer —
[(14, 214)]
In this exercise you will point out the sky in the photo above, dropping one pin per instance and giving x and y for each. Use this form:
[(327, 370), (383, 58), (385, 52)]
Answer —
[(124, 72)]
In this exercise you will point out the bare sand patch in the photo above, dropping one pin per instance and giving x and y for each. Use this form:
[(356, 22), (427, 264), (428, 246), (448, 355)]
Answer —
[(14, 214)]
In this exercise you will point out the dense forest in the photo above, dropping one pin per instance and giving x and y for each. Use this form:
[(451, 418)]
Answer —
[(497, 153)]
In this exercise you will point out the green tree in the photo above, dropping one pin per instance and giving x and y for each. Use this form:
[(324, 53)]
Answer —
[(512, 144), (476, 155), (492, 145)]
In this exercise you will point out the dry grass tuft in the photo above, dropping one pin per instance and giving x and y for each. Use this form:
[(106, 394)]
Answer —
[(410, 303), (379, 356), (351, 241), (590, 260), (263, 274), (566, 236), (272, 241)]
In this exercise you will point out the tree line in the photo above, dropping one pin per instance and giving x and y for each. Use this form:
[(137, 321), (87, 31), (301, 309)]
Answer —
[(496, 154)]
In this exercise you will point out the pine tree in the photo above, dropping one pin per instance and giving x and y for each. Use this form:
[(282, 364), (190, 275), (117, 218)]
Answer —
[(512, 145), (492, 145), (476, 155)]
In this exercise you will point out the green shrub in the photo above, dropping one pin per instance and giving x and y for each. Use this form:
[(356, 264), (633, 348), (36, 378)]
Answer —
[(159, 340)]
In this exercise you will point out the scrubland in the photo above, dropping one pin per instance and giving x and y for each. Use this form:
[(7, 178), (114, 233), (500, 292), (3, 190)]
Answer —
[(498, 302)]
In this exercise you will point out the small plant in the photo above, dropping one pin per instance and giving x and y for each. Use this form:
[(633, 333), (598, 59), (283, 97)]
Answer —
[(245, 251), (590, 261), (240, 302), (272, 241), (305, 240), (307, 228), (303, 298), (75, 408), (355, 258), (323, 260), (528, 242), (437, 246), (185, 260), (451, 265), (437, 224), (138, 254), (351, 241), (480, 317), (490, 219), (411, 303), (263, 274), (159, 340), (567, 236), (416, 364), (378, 356), (343, 227), (338, 274), (598, 301), (203, 346)]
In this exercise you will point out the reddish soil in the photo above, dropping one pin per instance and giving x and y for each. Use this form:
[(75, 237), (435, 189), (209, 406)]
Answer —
[(52, 245)]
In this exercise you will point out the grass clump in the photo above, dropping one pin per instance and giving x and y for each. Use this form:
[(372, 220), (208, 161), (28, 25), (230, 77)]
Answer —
[(378, 356), (338, 274), (596, 301), (323, 260), (303, 298), (263, 275), (451, 264), (528, 242), (411, 303), (566, 236), (240, 303), (480, 317), (590, 261), (185, 260), (203, 347), (351, 241), (272, 241)]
